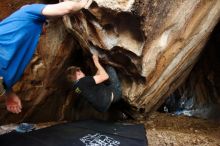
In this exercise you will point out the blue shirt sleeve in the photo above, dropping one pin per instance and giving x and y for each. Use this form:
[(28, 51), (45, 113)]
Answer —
[(33, 11)]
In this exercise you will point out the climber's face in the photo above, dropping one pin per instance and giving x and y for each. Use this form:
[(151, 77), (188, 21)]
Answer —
[(79, 74)]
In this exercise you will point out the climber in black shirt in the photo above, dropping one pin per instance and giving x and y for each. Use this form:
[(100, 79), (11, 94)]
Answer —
[(101, 90)]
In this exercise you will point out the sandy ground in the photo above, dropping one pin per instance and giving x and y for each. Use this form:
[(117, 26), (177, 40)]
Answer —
[(167, 130)]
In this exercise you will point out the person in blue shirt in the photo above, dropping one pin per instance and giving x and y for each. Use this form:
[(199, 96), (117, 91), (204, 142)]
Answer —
[(19, 35)]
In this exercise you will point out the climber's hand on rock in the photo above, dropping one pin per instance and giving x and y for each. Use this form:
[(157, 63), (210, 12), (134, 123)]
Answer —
[(95, 58)]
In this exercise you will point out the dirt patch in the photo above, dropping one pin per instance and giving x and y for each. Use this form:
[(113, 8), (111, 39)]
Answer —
[(165, 129)]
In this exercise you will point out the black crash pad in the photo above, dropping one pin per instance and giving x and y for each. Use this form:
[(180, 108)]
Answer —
[(80, 133)]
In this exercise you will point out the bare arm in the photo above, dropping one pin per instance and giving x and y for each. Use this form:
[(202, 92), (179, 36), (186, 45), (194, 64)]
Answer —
[(63, 8), (101, 74)]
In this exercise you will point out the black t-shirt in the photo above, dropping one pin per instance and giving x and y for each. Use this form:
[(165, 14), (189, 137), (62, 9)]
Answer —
[(99, 95)]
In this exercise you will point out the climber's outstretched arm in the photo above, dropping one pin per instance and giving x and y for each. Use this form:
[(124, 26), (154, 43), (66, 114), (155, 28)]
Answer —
[(65, 7)]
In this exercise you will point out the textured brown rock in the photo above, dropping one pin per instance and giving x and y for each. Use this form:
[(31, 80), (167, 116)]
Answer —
[(161, 43), (153, 44), (118, 5)]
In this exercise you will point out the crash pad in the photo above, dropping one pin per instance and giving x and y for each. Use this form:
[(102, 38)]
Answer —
[(80, 133)]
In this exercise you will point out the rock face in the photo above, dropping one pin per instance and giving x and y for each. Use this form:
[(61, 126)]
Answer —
[(153, 44), (154, 47), (117, 5)]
